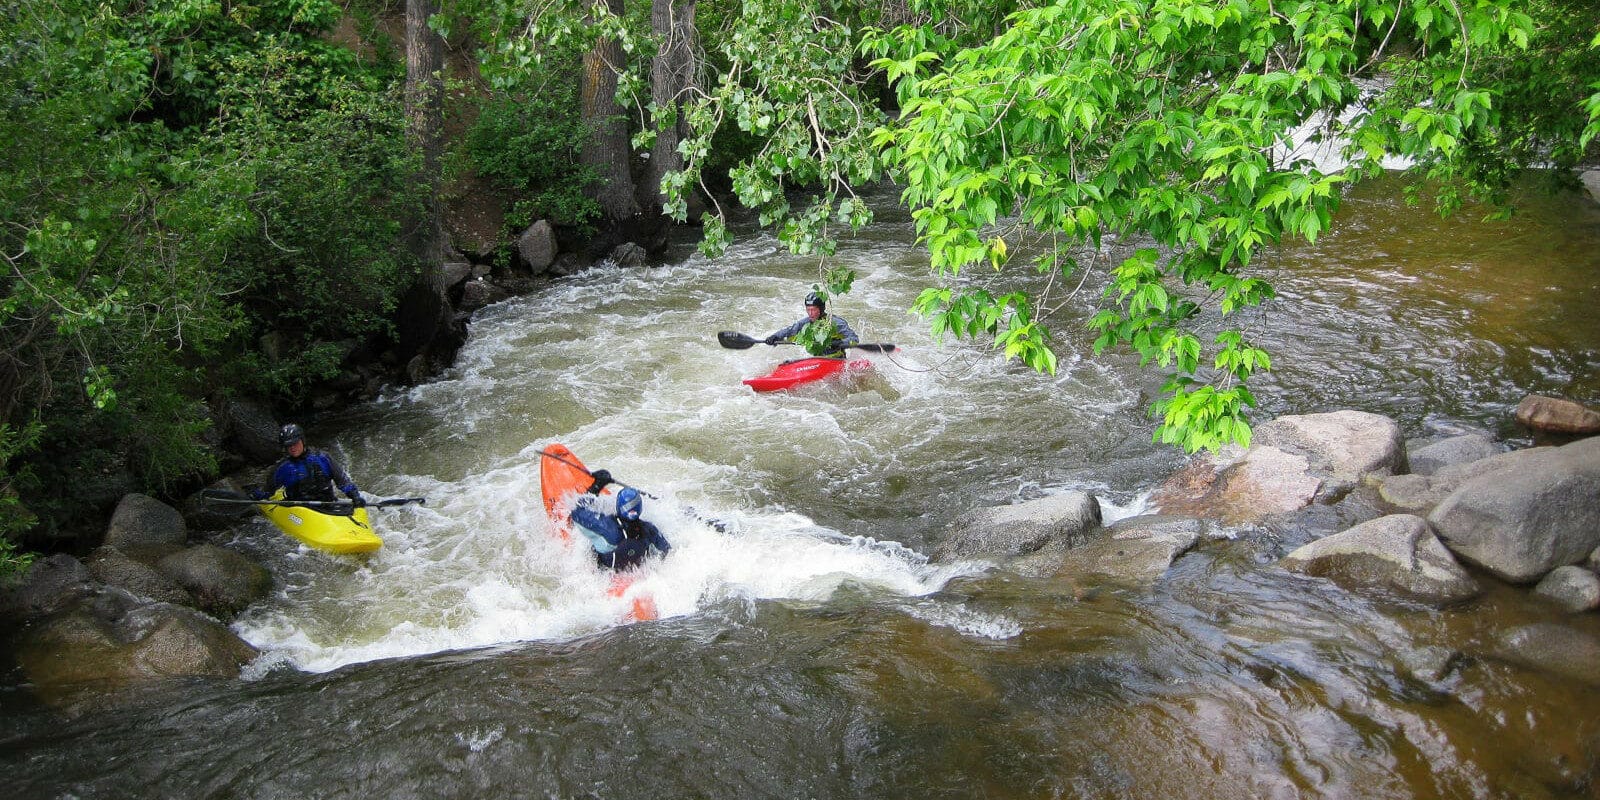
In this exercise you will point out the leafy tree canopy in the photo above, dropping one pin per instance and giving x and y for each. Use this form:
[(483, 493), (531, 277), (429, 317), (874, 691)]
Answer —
[(1171, 125)]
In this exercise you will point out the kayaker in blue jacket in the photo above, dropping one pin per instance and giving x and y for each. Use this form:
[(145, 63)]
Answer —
[(622, 539), (838, 335), (307, 474)]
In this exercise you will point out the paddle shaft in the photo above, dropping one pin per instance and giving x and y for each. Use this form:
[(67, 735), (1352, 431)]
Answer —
[(339, 504), (734, 340)]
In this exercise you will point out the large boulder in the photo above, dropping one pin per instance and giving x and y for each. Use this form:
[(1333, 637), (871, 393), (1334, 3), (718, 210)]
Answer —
[(1572, 588), (143, 520), (222, 582), (1521, 523), (252, 428), (1556, 415), (537, 246), (1292, 462), (1420, 494), (110, 641), (116, 568), (1398, 552), (1136, 551), (1463, 449), (1020, 529)]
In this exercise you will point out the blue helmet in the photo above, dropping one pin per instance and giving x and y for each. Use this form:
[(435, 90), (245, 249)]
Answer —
[(629, 504)]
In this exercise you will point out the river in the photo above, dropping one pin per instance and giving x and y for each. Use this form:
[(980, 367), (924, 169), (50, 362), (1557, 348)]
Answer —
[(808, 647)]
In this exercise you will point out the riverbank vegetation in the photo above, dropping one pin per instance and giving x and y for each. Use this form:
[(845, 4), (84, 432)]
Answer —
[(204, 200)]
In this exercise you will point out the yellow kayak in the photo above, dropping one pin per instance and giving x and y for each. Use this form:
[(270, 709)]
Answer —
[(330, 533)]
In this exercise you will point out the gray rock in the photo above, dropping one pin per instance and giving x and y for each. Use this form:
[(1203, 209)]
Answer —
[(629, 255), (1455, 450), (115, 568), (476, 294), (1019, 529), (50, 584), (144, 520), (569, 264), (253, 429), (222, 582), (1557, 415), (1572, 588), (1411, 494), (537, 246), (1521, 523), (1398, 552), (1292, 462), (1136, 550), (202, 514), (454, 272), (1593, 562)]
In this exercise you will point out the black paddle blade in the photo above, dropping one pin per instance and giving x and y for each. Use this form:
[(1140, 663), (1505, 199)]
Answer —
[(736, 341), (874, 348)]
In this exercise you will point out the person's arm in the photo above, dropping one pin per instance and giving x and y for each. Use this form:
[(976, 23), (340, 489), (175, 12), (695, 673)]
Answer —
[(845, 331), (788, 332), (656, 540), (601, 531), (341, 479)]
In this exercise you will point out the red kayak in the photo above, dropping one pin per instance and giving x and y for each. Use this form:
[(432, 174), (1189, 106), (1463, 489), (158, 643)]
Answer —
[(793, 373)]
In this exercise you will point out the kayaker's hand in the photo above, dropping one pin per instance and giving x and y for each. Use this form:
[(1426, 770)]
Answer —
[(601, 478), (357, 501), (771, 340), (257, 494)]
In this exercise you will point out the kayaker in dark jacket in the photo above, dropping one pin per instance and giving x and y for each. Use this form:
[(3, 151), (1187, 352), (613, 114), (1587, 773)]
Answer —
[(622, 539), (836, 338), (307, 474)]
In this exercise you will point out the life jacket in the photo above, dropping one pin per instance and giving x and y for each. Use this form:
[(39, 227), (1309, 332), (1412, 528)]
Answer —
[(314, 482)]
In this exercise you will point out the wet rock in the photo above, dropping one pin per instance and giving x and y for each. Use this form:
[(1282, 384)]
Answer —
[(1136, 550), (50, 584), (110, 642), (1555, 648), (537, 246), (1411, 494), (1398, 552), (1019, 529), (476, 294), (1572, 588), (222, 582), (629, 255), (1430, 664), (116, 568), (1293, 461), (205, 515), (569, 264), (1455, 450), (1521, 523), (1557, 415), (144, 520)]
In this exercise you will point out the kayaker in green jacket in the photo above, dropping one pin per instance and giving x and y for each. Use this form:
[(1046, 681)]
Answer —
[(823, 335)]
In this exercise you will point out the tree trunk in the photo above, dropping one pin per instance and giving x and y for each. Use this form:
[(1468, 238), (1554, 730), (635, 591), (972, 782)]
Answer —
[(428, 336), (672, 75), (607, 150), (425, 123)]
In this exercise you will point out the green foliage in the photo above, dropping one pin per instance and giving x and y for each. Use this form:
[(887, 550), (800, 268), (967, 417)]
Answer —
[(180, 177), (527, 142)]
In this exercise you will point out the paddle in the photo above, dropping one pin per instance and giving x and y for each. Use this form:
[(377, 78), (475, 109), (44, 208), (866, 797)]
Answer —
[(738, 341), (224, 496)]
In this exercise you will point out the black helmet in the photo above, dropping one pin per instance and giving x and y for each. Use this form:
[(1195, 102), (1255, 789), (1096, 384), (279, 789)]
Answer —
[(289, 434), (815, 299)]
